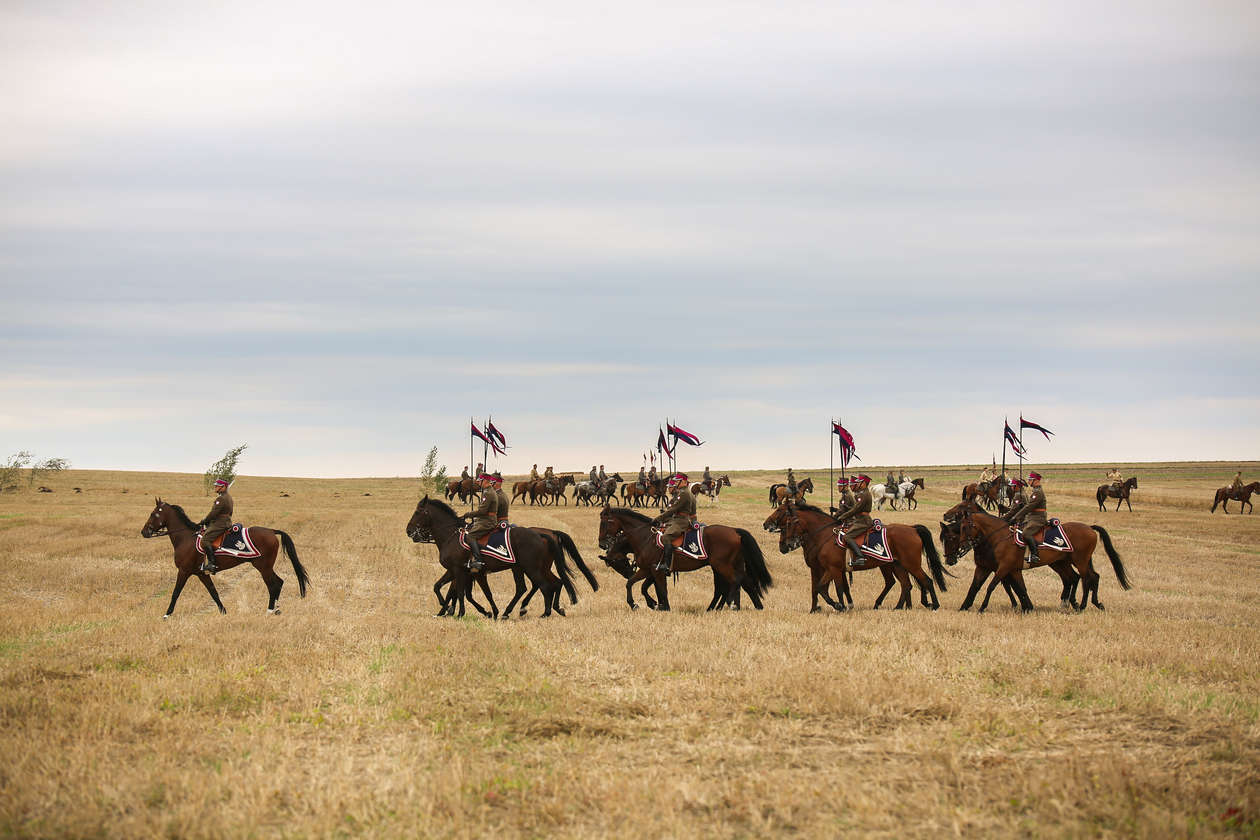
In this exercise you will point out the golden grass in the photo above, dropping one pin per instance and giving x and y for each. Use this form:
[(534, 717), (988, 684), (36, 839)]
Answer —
[(355, 712)]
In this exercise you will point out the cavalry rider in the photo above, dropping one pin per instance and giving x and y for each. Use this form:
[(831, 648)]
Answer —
[(483, 520), (550, 477), (858, 518), (678, 517), (890, 486), (533, 473), (216, 523), (1031, 517), (1116, 479), (707, 481), (643, 478), (1236, 485), (846, 497), (651, 477), (791, 484), (463, 475), (987, 475), (901, 477), (503, 502), (594, 477)]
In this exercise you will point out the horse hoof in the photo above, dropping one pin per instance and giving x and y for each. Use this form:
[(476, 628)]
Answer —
[(166, 616), (276, 611)]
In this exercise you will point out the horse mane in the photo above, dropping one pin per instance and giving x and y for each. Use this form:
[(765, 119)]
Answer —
[(810, 508), (443, 506), (632, 514), (192, 526)]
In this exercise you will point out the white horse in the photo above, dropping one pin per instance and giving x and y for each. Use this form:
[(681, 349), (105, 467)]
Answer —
[(880, 494)]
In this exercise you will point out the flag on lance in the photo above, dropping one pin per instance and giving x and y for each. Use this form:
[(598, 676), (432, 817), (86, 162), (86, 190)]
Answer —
[(848, 449), (1012, 440), (683, 435), (1028, 424), (495, 434), (478, 433), (662, 443)]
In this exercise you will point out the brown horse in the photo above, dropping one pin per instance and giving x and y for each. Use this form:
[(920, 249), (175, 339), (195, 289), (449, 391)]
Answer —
[(462, 487), (1243, 495), (989, 493), (1122, 493), (171, 520), (775, 523), (435, 522), (620, 559), (713, 490), (779, 492), (986, 564), (733, 553), (812, 529), (976, 526), (632, 495)]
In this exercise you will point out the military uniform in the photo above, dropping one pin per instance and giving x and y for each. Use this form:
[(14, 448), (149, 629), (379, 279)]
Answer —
[(642, 478), (846, 499), (890, 486), (856, 521), (708, 479), (1030, 517), (503, 505), (486, 517), (791, 483), (603, 476), (1116, 479), (678, 517), (218, 520), (533, 473), (652, 477), (1237, 484)]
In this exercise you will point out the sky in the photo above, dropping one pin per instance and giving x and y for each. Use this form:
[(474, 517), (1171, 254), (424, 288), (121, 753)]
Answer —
[(337, 231)]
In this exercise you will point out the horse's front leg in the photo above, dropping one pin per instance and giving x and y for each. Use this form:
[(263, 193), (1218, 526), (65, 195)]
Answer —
[(889, 580), (446, 578), (519, 580), (814, 576), (214, 593), (977, 580), (181, 578), (493, 615), (662, 590)]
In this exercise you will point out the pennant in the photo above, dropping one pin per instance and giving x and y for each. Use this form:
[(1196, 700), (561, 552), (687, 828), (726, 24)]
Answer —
[(1012, 440), (496, 434), (478, 433), (1028, 424), (662, 444), (685, 436), (848, 449)]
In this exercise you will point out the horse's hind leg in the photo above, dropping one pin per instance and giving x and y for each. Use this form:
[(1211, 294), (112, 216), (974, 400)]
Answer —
[(214, 593), (180, 580), (977, 580), (889, 580)]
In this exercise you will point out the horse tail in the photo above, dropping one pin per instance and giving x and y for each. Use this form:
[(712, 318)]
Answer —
[(934, 559), (298, 569), (754, 562), (562, 569), (1114, 557), (1100, 495), (773, 487), (566, 542)]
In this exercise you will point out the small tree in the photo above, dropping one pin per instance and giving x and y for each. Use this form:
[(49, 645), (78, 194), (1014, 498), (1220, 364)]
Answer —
[(46, 467), (225, 467), (432, 474), (12, 468)]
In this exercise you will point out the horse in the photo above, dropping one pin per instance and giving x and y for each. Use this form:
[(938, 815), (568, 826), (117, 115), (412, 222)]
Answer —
[(905, 490), (171, 520), (813, 529), (1008, 557), (1121, 493), (779, 492), (553, 490), (986, 564), (989, 493), (435, 522), (520, 490), (1243, 495), (632, 495), (464, 488), (733, 553), (601, 493), (619, 560), (714, 489), (775, 524)]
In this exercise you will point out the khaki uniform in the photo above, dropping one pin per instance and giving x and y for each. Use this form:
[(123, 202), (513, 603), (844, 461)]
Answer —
[(219, 519), (652, 476), (986, 475), (1238, 482), (533, 474), (1031, 516), (858, 515), (603, 476), (889, 484), (486, 517), (503, 504), (680, 515), (846, 499), (708, 479), (1116, 479), (643, 478), (791, 483)]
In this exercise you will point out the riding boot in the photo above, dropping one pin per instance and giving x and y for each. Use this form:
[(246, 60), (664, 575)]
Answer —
[(856, 561), (208, 565), (1033, 557), (667, 558), (475, 563)]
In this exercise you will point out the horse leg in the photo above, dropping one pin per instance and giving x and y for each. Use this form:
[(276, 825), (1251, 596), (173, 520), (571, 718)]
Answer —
[(824, 581), (180, 579), (889, 580), (662, 590), (1021, 590), (214, 593), (274, 584), (645, 589), (984, 605), (927, 592), (446, 577), (813, 589), (630, 590), (519, 580), (977, 580)]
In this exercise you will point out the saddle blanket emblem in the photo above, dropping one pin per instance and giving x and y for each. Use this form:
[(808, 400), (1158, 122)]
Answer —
[(692, 542), (236, 543), (498, 545), (874, 543), (1052, 536)]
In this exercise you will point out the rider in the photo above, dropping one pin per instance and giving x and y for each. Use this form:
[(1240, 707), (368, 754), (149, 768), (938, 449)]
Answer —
[(550, 477), (594, 477), (652, 476), (216, 523), (707, 481), (533, 473), (901, 477), (643, 478), (680, 515), (1237, 484), (791, 484), (1116, 479), (503, 502), (890, 486), (603, 476), (1031, 517), (859, 514), (846, 497), (483, 520)]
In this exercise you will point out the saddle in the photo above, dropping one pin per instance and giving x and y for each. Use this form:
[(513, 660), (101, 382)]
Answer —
[(496, 544), (689, 542), (874, 543), (234, 542), (1052, 536)]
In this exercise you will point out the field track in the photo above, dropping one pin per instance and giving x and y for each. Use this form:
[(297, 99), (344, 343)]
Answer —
[(355, 712)]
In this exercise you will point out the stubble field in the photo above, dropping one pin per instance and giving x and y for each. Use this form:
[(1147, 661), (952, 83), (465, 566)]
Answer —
[(356, 712)]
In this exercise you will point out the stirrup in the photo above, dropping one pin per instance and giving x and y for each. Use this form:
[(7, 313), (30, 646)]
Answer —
[(857, 562)]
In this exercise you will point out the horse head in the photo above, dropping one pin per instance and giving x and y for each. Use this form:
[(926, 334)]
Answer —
[(774, 522), (792, 532), (618, 557), (155, 525), (609, 528)]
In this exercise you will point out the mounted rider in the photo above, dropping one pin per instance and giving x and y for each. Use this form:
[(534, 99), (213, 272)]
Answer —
[(504, 504), (642, 482), (857, 518), (483, 520), (533, 473), (1236, 485), (1031, 517), (678, 517), (1116, 479), (594, 477), (603, 477), (707, 481), (791, 484), (901, 477), (890, 486), (652, 477), (216, 523), (463, 474), (549, 476), (987, 475), (846, 495)]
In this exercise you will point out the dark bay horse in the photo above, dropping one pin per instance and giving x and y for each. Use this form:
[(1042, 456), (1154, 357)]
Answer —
[(988, 492), (733, 554), (171, 520), (775, 523), (779, 492), (1122, 493), (976, 526), (812, 529), (621, 560), (712, 491), (986, 564), (465, 488), (632, 495), (1243, 495), (435, 522)]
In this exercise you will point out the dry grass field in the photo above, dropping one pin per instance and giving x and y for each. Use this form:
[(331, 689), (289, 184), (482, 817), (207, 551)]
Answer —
[(355, 712)]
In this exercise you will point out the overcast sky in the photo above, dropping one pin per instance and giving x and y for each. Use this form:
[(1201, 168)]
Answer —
[(335, 231)]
